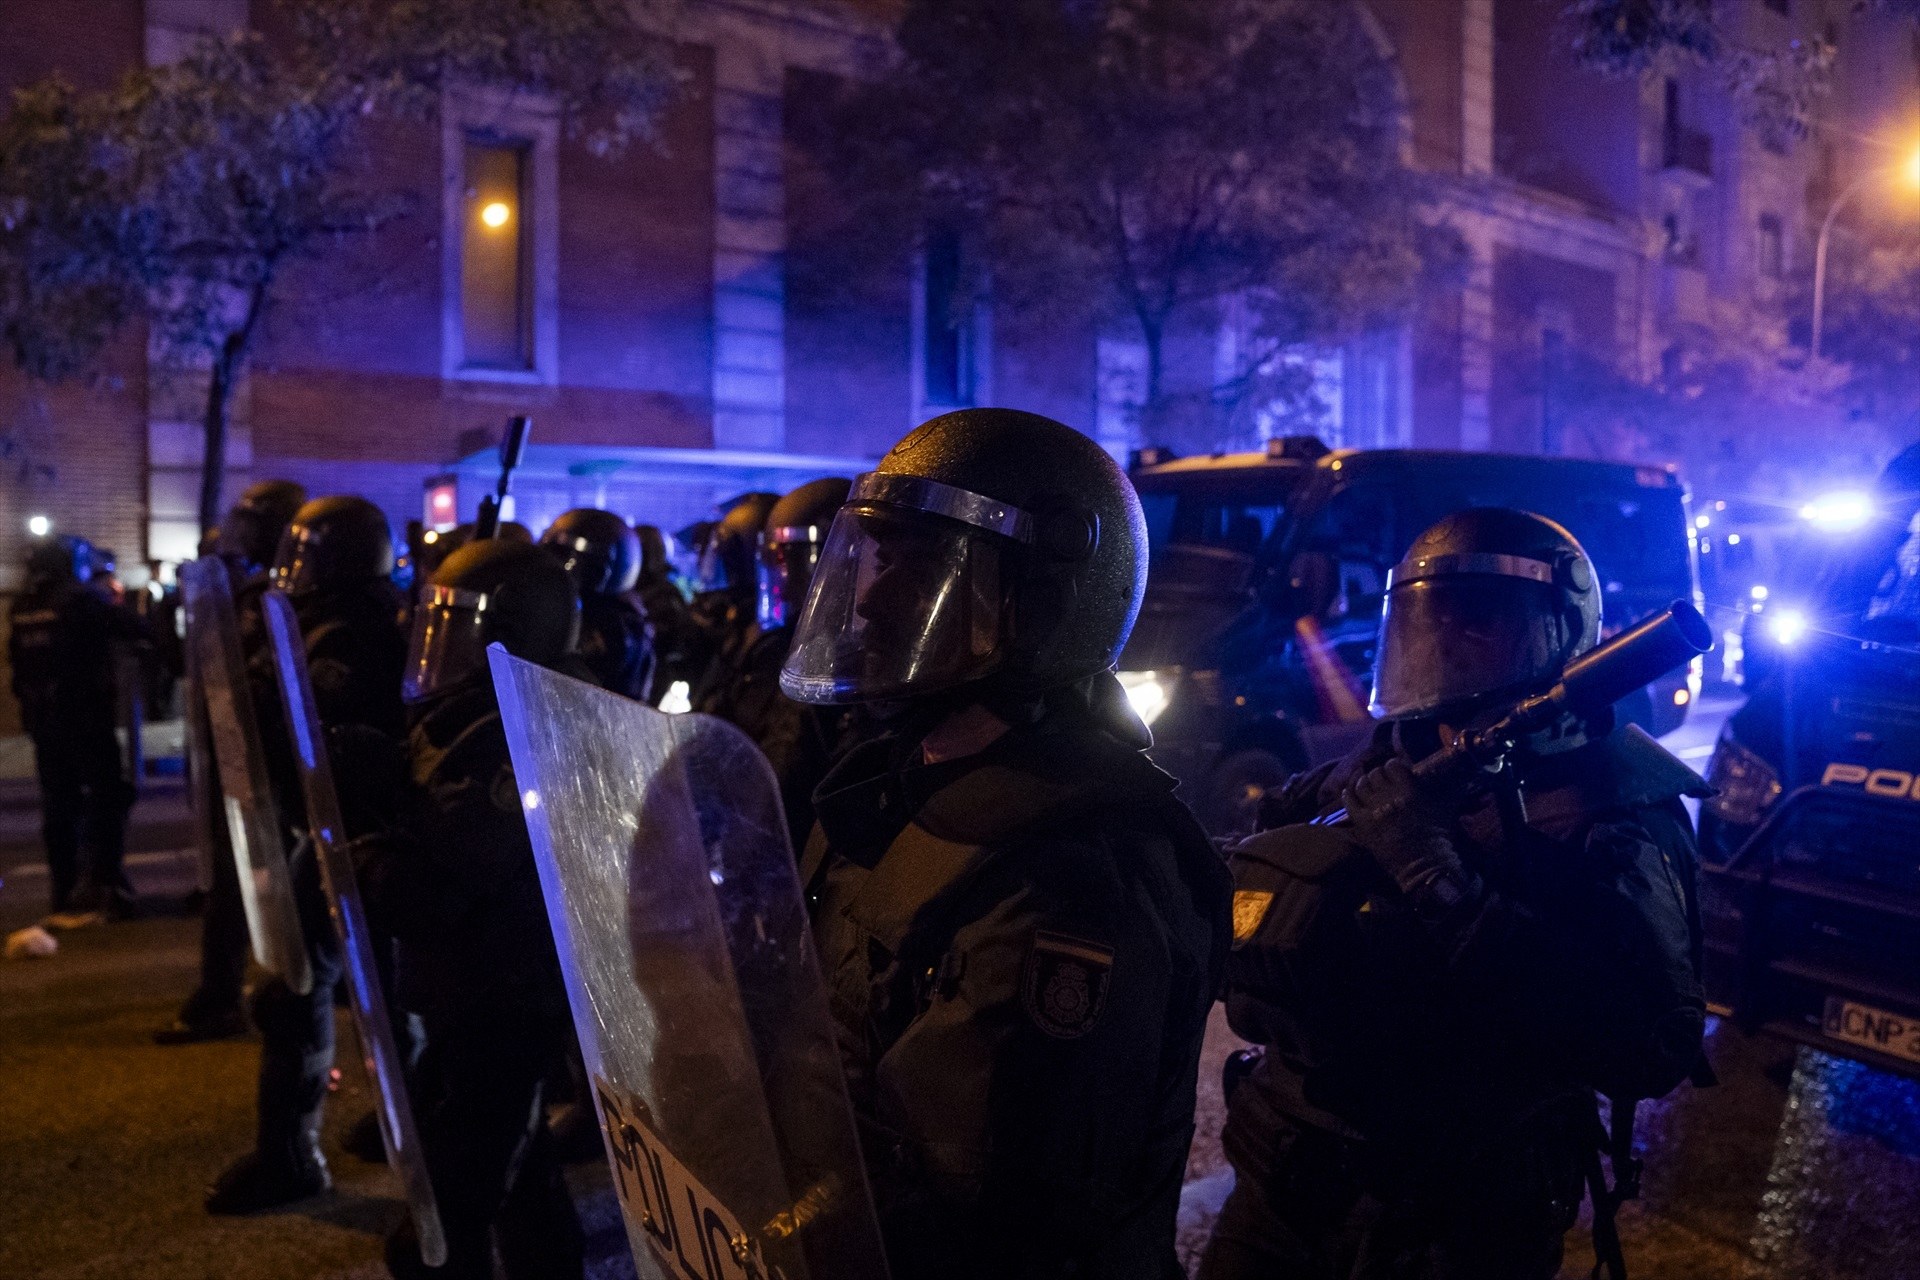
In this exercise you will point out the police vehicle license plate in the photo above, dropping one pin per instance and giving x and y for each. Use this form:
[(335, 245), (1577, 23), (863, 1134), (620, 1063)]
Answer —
[(1889, 1033), (688, 1231)]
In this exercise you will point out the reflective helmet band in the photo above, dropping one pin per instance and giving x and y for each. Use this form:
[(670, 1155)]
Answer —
[(920, 494), (455, 598), (1482, 563), (788, 534)]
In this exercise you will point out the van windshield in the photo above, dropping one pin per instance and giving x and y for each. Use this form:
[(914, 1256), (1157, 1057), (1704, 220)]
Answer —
[(1242, 518)]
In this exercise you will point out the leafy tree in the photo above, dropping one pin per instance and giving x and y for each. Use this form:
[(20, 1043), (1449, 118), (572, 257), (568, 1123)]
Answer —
[(1780, 88), (185, 192), (1148, 161)]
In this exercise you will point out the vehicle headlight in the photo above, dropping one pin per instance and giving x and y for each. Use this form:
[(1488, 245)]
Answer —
[(1788, 627), (1747, 784), (1147, 692)]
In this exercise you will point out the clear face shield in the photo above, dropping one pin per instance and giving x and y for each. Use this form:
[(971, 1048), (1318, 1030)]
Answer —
[(296, 567), (909, 594), (448, 644), (1459, 627), (788, 558)]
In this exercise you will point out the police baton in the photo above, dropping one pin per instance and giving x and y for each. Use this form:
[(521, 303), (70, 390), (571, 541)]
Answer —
[(512, 449)]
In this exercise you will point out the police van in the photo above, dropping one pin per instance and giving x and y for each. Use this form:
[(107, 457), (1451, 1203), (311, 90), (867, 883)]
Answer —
[(1810, 851), (1253, 653)]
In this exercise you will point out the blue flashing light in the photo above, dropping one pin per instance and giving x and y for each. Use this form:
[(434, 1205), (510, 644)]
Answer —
[(1788, 627), (1841, 512)]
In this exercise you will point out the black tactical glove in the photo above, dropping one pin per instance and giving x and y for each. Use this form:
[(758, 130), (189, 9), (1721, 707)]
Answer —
[(1405, 826)]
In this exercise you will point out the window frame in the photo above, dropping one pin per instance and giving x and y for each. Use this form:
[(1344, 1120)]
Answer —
[(470, 114)]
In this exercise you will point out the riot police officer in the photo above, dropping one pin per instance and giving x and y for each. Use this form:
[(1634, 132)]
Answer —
[(725, 583), (1022, 930), (61, 646), (335, 563), (800, 741), (1444, 980), (679, 647), (246, 541), (602, 555), (458, 886)]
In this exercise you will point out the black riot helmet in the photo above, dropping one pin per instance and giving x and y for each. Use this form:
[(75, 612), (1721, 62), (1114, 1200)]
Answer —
[(251, 530), (656, 555), (1488, 601), (723, 552), (57, 561), (597, 548), (333, 542), (790, 545), (989, 546), (487, 591)]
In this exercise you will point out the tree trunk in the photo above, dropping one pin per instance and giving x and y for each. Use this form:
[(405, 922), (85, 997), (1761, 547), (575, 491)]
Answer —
[(213, 466), (1153, 424), (229, 363)]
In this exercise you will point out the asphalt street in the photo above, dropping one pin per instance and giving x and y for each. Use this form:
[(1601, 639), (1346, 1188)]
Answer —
[(1794, 1166)]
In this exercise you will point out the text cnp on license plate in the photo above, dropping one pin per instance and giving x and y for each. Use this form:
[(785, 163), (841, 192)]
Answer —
[(690, 1233), (1891, 1033)]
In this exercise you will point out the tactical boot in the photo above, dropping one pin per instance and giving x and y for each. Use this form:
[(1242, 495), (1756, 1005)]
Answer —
[(364, 1141), (252, 1183), (228, 1025)]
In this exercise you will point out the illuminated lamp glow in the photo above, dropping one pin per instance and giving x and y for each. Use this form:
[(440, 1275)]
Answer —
[(495, 214), (39, 526), (1758, 593), (1838, 512), (1681, 697), (1702, 521), (1789, 627), (1733, 539)]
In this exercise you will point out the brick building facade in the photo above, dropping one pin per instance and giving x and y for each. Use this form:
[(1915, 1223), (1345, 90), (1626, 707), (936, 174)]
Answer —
[(656, 310)]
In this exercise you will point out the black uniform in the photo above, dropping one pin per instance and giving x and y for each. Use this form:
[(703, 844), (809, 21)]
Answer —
[(459, 889), (61, 648), (1021, 948), (616, 644), (798, 740), (477, 963), (1425, 1106), (682, 649)]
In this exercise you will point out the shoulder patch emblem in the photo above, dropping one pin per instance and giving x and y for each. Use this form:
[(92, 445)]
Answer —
[(1065, 984), (1249, 909)]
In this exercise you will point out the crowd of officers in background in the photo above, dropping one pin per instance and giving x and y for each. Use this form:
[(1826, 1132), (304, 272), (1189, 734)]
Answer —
[(1022, 930)]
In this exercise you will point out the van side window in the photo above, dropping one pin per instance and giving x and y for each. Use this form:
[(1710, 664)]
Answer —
[(1356, 530)]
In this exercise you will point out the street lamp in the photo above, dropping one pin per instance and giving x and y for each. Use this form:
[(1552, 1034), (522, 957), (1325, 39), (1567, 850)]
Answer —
[(1910, 170)]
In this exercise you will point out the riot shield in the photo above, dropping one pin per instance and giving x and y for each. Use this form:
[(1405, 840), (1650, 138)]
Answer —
[(378, 1050), (676, 909), (203, 787), (253, 820)]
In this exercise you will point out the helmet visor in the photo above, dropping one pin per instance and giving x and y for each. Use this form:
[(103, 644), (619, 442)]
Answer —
[(449, 642), (1449, 640), (296, 568), (786, 566), (903, 603)]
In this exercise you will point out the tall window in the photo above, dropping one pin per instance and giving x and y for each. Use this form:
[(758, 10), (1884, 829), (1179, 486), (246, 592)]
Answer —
[(1771, 247), (496, 293), (947, 345)]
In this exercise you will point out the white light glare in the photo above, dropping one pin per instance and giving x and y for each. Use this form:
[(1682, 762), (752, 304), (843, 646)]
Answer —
[(530, 799), (39, 526), (1838, 512), (1702, 522), (1145, 694), (1788, 627), (1759, 592), (679, 699)]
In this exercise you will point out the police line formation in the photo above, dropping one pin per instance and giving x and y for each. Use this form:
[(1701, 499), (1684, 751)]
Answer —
[(898, 961)]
